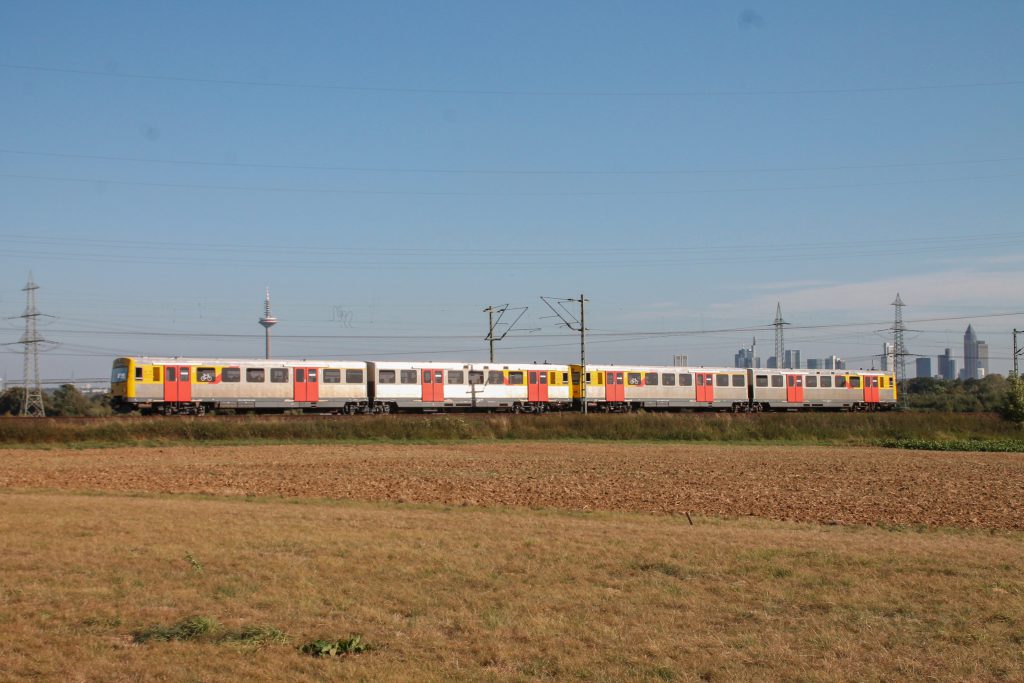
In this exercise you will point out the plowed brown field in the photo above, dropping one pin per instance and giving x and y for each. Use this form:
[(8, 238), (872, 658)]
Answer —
[(813, 484)]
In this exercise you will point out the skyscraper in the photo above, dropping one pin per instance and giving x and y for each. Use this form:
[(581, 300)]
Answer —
[(947, 365), (744, 358), (970, 354), (982, 370), (924, 366), (888, 356), (975, 355), (791, 358)]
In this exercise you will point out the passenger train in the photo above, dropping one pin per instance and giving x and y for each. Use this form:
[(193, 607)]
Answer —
[(196, 385)]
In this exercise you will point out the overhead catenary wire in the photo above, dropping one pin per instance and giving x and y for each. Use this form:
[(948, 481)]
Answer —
[(267, 83)]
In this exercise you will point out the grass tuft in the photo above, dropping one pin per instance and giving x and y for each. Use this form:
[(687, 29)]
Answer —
[(335, 648), (193, 628)]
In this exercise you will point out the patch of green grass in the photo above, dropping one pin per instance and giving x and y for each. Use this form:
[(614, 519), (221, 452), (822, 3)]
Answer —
[(208, 629), (335, 648), (970, 444)]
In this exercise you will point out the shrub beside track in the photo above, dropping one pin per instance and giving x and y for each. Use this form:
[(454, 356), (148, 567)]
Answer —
[(903, 428)]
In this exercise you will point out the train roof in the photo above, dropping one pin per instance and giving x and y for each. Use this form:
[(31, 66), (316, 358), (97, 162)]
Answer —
[(188, 360), (454, 365)]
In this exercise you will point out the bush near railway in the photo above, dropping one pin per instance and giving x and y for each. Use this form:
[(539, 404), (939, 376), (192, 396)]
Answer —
[(65, 401)]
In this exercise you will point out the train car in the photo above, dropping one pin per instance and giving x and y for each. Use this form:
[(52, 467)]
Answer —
[(800, 389), (621, 388), (431, 386), (195, 385)]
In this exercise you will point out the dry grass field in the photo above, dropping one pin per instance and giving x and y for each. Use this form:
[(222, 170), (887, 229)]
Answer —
[(513, 562)]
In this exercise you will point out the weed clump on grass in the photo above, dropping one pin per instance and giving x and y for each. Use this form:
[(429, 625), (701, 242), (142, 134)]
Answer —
[(335, 648), (193, 628), (208, 630)]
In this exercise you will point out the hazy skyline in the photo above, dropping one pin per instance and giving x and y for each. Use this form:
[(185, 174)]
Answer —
[(390, 169)]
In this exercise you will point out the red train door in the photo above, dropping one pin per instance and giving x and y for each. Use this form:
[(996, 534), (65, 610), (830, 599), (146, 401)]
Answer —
[(537, 389), (306, 385), (433, 385), (795, 388), (871, 390), (705, 382), (614, 389), (177, 383)]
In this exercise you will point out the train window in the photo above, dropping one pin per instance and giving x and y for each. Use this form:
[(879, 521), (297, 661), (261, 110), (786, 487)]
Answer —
[(761, 380), (156, 374), (722, 380), (543, 378), (700, 379), (685, 379), (183, 375), (231, 375), (651, 379), (495, 377), (279, 375), (171, 377), (206, 375), (633, 378), (354, 376), (668, 379), (589, 381), (855, 382), (840, 381), (332, 376), (515, 377), (120, 374), (739, 380), (138, 374), (407, 376), (811, 381), (476, 376), (456, 376), (255, 375), (826, 382), (575, 378), (777, 380), (386, 376)]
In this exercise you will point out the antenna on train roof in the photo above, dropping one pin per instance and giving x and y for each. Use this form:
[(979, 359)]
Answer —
[(268, 321)]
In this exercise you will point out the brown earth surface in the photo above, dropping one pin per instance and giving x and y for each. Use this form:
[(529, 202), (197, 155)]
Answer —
[(811, 484)]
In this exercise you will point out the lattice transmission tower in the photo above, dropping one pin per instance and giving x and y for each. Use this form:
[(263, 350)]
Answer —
[(32, 401), (779, 344), (899, 350)]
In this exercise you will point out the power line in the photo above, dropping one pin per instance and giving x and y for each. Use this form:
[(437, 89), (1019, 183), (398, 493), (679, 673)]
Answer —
[(457, 193), (491, 171), (512, 92)]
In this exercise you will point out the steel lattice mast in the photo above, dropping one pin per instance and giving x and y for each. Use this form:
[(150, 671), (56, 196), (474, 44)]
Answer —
[(898, 349), (32, 401), (779, 344)]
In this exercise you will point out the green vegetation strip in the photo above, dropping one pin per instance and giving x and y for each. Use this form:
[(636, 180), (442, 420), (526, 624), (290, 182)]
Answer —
[(981, 445), (810, 428)]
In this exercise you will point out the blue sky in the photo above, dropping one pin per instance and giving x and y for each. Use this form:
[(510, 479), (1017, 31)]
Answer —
[(391, 169)]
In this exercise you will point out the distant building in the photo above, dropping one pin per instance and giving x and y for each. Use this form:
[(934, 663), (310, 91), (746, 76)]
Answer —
[(975, 356), (947, 365), (815, 364), (791, 359), (772, 363), (888, 357), (834, 363), (680, 360), (924, 367), (744, 358)]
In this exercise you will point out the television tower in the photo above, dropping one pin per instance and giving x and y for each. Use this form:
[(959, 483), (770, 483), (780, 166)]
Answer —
[(32, 401), (267, 320)]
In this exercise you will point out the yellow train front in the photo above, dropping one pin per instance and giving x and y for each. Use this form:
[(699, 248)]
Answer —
[(191, 386)]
